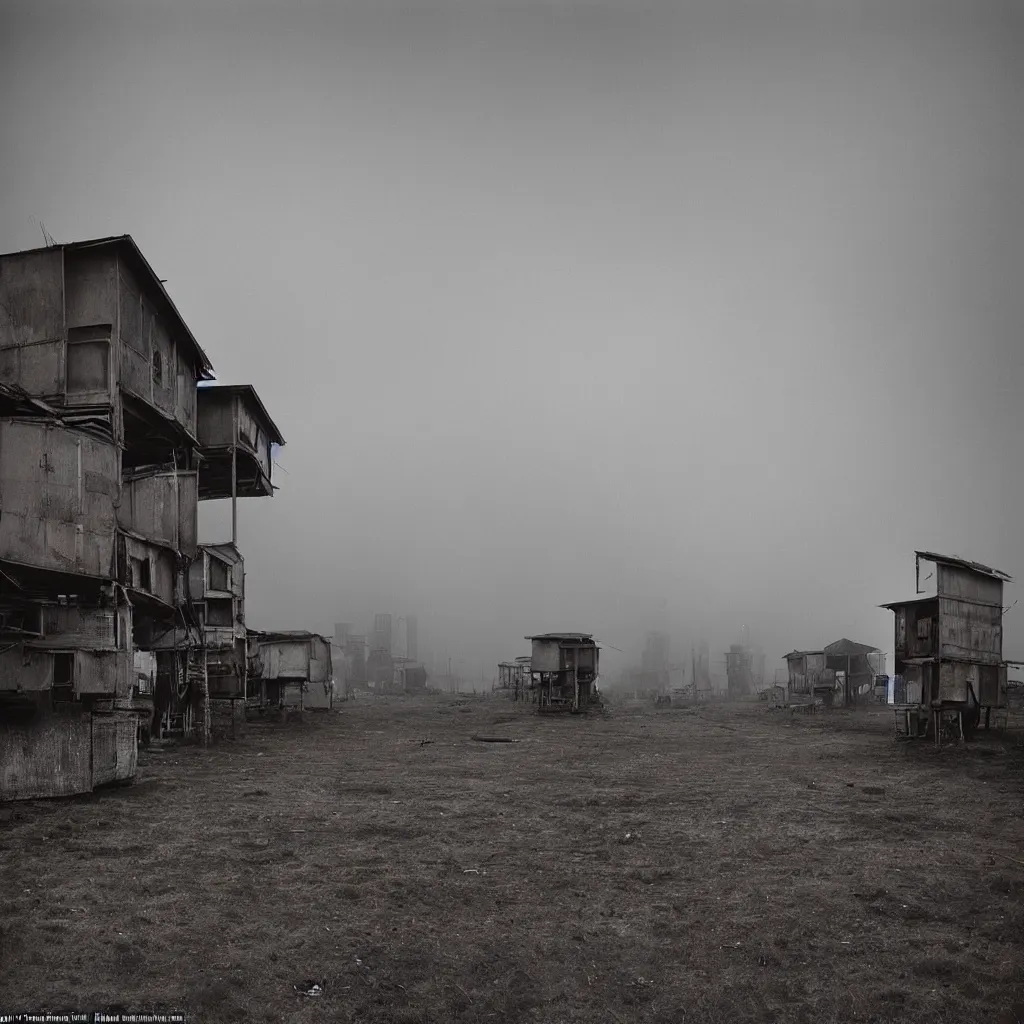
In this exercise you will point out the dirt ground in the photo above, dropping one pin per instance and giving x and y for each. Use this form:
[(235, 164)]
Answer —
[(725, 863)]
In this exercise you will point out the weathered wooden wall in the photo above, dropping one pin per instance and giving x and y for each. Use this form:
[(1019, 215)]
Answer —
[(285, 659), (971, 631), (145, 330), (162, 567), (46, 755), (22, 669), (32, 322), (163, 507), (114, 747), (57, 490)]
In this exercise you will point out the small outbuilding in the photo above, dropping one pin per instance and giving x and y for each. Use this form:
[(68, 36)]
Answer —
[(565, 667)]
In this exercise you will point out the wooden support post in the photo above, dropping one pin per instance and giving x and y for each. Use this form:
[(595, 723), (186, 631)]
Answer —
[(234, 473)]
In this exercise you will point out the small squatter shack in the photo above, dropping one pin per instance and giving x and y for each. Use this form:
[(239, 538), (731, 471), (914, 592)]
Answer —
[(949, 647), (565, 667), (844, 673), (290, 669)]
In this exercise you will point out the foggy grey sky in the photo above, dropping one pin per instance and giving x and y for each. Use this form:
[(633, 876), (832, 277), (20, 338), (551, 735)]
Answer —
[(569, 310)]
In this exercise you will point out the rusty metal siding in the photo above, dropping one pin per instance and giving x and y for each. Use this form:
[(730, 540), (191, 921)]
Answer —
[(32, 321), (57, 492), (45, 756), (971, 631), (163, 508)]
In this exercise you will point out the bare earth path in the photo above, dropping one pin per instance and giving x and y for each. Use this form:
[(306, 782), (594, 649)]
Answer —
[(726, 863)]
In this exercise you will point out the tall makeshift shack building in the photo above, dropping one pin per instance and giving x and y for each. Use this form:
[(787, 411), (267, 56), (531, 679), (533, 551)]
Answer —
[(949, 646), (98, 490)]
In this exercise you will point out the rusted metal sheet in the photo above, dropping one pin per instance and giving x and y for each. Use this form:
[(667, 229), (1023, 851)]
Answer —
[(32, 321), (971, 630), (163, 507), (46, 755), (57, 491)]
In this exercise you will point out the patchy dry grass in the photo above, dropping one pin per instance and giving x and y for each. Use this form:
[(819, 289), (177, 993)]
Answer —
[(726, 863)]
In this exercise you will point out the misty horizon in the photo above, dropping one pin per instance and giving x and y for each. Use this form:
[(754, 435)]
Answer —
[(597, 317)]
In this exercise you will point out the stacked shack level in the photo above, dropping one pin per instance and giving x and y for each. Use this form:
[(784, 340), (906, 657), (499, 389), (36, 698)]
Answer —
[(949, 645), (100, 470), (565, 666)]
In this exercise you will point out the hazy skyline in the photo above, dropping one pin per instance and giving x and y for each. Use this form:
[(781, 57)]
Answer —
[(590, 316)]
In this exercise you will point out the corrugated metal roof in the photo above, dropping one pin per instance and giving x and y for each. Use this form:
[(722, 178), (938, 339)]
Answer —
[(284, 635), (893, 605), (963, 563), (579, 637), (852, 647)]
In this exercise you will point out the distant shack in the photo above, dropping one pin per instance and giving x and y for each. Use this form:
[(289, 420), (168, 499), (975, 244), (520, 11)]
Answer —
[(843, 673), (565, 666), (291, 669)]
